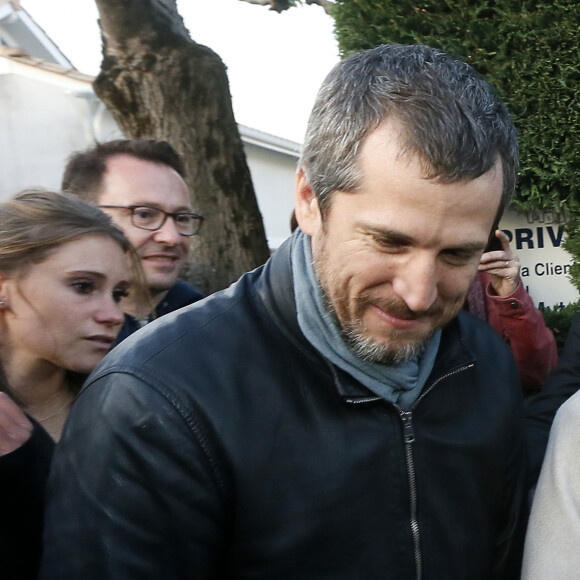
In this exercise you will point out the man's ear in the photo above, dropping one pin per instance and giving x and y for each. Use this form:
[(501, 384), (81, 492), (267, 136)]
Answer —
[(306, 205)]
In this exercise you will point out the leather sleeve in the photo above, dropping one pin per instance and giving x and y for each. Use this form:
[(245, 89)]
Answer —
[(561, 384), (145, 480), (522, 326)]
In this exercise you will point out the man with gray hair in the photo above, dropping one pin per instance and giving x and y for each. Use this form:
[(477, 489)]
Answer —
[(334, 414)]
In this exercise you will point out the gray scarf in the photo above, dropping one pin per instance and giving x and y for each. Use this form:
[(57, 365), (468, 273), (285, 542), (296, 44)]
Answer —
[(400, 384)]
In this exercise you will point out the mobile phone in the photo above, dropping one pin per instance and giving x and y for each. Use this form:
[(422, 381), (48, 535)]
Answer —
[(493, 244)]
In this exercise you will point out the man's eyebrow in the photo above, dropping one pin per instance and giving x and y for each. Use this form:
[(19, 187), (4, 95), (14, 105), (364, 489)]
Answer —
[(396, 237), (391, 235), (153, 205)]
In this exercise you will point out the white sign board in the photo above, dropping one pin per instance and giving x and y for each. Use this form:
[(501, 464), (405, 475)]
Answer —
[(536, 237)]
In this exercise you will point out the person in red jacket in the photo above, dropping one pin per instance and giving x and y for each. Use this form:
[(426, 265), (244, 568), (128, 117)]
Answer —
[(497, 294)]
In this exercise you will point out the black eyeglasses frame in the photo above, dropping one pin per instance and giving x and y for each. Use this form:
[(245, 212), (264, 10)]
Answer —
[(198, 219)]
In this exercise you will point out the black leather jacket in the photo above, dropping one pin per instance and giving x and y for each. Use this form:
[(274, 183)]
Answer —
[(216, 443)]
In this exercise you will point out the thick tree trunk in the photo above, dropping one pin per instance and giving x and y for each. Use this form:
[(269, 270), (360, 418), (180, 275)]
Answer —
[(158, 83)]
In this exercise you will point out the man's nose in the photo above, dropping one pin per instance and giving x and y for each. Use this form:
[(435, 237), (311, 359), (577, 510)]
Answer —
[(416, 283), (168, 233)]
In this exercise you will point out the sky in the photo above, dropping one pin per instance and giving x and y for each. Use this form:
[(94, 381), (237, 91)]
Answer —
[(275, 62)]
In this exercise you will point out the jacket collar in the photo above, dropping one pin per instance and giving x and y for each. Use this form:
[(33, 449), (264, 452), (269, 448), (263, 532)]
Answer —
[(276, 290)]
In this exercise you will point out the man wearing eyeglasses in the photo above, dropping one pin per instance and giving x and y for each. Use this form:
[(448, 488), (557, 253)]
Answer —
[(139, 183)]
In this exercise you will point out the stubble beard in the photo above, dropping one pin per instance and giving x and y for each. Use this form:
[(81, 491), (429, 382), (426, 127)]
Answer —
[(393, 350), (159, 285), (371, 350)]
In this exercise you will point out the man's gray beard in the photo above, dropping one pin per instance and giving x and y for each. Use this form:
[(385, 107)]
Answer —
[(363, 347), (369, 350)]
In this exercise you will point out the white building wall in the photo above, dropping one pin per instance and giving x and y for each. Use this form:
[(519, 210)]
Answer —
[(273, 176), (39, 125)]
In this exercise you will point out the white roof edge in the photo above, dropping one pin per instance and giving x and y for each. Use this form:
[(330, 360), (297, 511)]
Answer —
[(268, 141), (44, 39), (10, 12), (55, 74)]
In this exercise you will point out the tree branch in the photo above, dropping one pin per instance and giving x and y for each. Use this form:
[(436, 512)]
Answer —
[(281, 5)]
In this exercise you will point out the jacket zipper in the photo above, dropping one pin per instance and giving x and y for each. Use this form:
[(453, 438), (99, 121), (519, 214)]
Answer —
[(409, 439)]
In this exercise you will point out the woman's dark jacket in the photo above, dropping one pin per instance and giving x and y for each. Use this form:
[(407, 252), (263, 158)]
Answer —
[(23, 476), (218, 444)]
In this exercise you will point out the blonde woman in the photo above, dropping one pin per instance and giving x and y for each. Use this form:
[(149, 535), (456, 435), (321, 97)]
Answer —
[(64, 271)]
